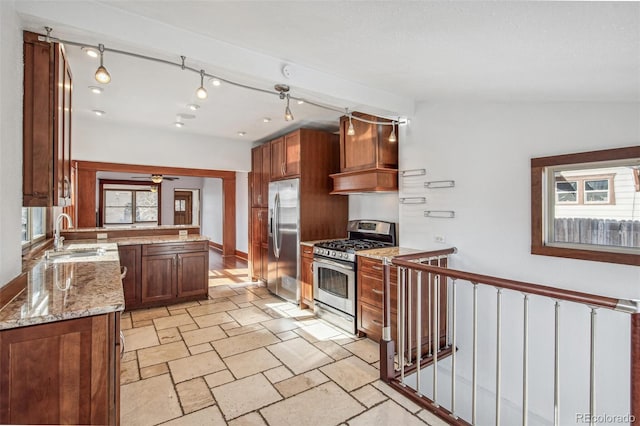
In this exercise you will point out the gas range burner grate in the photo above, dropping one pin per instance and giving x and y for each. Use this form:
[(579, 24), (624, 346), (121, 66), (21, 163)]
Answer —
[(351, 246)]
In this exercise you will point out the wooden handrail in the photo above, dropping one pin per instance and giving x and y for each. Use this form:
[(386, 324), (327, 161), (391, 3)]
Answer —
[(541, 290), (426, 254)]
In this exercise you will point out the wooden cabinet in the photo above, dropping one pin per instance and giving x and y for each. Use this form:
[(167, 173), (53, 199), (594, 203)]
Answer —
[(174, 272), (259, 243), (46, 124), (368, 161), (370, 305), (130, 258), (311, 155), (306, 276), (260, 175), (65, 372), (285, 156)]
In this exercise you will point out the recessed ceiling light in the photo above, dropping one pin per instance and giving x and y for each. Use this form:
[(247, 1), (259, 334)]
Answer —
[(185, 116), (98, 112), (193, 107), (242, 133), (96, 90), (266, 120), (300, 101), (178, 124), (90, 51), (215, 82)]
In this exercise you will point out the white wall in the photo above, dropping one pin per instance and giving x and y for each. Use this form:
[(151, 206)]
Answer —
[(10, 141), (113, 142), (212, 206), (379, 206), (242, 211), (486, 149), (168, 188)]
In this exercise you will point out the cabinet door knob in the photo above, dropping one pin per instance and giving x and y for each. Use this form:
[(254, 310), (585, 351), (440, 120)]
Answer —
[(376, 267), (376, 291)]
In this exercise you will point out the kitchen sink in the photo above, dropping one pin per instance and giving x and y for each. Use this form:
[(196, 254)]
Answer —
[(88, 254)]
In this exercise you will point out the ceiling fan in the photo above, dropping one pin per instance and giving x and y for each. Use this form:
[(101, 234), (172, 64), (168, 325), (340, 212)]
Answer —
[(156, 178)]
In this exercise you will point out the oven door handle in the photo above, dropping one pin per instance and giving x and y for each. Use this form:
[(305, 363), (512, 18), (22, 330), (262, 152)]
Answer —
[(335, 264)]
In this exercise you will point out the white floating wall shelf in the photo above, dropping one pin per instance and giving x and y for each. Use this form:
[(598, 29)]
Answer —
[(413, 200), (413, 172), (440, 184), (442, 214)]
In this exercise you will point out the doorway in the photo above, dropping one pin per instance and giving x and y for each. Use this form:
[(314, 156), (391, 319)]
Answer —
[(186, 207)]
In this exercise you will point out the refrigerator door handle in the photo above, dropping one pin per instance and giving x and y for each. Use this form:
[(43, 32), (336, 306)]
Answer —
[(276, 231)]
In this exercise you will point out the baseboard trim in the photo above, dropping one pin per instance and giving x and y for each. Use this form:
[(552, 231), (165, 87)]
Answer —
[(215, 246)]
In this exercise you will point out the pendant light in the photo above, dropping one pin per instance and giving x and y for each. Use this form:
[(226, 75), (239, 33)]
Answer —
[(102, 75), (350, 131), (288, 116), (201, 93), (392, 136)]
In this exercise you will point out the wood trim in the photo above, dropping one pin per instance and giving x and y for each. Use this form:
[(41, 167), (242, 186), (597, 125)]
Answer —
[(70, 234), (538, 166), (229, 216), (215, 246), (242, 255), (13, 288), (164, 170), (540, 290)]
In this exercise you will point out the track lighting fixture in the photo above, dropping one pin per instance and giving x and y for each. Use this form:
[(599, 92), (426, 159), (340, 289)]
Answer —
[(178, 124), (102, 75), (201, 93), (193, 107), (392, 136), (288, 116)]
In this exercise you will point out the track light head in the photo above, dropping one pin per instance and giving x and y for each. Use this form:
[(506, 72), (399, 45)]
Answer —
[(350, 130), (102, 75), (201, 93), (392, 136), (288, 116)]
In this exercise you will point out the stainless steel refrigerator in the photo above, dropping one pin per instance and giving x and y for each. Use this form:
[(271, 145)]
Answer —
[(284, 239)]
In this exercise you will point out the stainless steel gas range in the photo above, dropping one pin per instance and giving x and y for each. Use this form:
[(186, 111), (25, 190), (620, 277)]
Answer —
[(334, 270)]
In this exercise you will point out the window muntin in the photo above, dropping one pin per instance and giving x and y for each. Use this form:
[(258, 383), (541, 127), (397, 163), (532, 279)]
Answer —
[(596, 191), (566, 191)]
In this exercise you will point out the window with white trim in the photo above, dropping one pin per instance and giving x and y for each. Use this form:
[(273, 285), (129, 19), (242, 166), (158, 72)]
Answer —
[(34, 223)]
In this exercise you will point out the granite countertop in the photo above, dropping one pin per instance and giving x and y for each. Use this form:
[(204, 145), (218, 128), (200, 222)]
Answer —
[(63, 290), (386, 252), (152, 239)]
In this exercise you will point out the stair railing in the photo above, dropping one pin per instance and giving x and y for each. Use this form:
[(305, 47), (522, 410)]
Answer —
[(422, 278)]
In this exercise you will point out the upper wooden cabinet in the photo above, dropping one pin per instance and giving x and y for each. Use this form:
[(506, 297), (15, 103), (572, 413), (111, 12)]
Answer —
[(368, 161), (46, 124), (285, 156), (369, 147), (260, 174)]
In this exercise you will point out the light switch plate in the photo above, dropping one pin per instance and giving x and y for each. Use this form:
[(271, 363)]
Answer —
[(103, 236)]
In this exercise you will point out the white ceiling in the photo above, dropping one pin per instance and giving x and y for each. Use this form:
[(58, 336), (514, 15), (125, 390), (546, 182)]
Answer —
[(380, 56)]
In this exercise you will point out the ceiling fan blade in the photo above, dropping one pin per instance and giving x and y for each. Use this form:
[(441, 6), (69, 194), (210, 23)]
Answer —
[(170, 177)]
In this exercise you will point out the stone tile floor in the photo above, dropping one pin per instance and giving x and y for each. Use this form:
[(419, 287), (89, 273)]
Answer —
[(245, 357)]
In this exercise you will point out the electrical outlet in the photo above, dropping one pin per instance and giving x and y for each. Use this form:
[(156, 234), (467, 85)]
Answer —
[(102, 236), (439, 239), (182, 233)]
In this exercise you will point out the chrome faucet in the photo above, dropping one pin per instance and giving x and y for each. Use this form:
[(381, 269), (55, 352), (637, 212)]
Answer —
[(57, 239)]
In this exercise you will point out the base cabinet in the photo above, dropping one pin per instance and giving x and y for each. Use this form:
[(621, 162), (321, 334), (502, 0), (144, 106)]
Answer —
[(130, 258), (174, 272), (65, 372), (306, 276), (370, 305)]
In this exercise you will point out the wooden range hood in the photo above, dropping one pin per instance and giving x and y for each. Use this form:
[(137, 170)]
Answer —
[(368, 161)]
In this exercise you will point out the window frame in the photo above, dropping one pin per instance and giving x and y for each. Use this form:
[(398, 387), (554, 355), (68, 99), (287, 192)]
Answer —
[(581, 192), (102, 206), (30, 238), (540, 179)]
